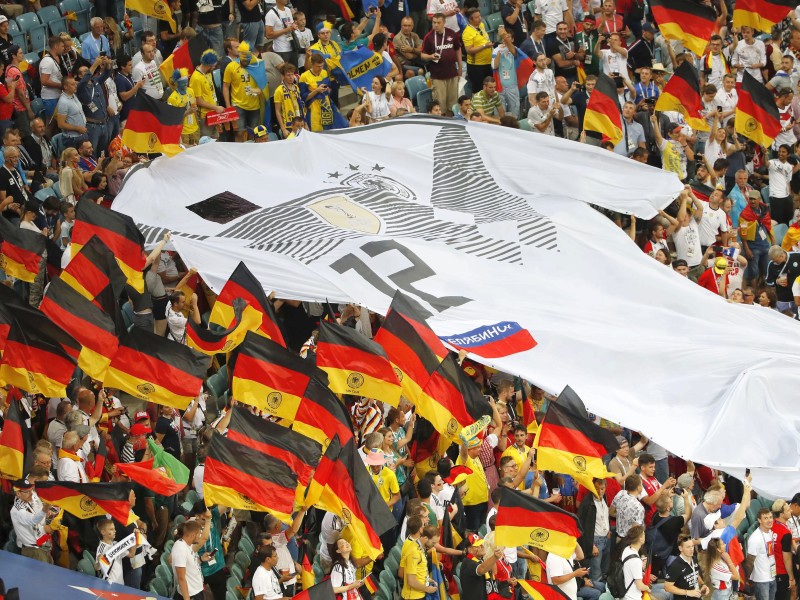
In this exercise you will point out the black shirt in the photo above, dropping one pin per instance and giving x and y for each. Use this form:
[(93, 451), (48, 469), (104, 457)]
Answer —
[(11, 183), (171, 441), (474, 586), (554, 46), (683, 575), (252, 15), (516, 28)]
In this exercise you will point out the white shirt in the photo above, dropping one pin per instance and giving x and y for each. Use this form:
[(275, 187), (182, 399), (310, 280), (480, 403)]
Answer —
[(727, 100), (786, 136), (115, 572), (177, 324), (330, 531), (266, 584), (281, 543), (280, 19), (551, 11), (687, 243), (28, 521), (542, 81), (149, 73), (614, 62), (749, 54), (182, 555), (444, 6), (714, 221), (197, 480), (556, 567), (632, 570), (48, 66), (780, 175), (601, 522), (537, 116), (761, 545), (380, 106), (717, 70), (71, 470)]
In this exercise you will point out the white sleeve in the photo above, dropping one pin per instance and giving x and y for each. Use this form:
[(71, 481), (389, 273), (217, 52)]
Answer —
[(178, 556), (337, 576), (492, 439)]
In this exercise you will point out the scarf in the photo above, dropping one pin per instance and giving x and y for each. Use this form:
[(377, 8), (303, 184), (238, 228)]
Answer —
[(748, 214), (62, 453), (291, 103), (710, 63)]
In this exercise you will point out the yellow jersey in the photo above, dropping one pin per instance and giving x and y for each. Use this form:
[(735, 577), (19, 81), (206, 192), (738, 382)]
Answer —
[(287, 97), (519, 457), (413, 561), (244, 92), (202, 84), (476, 37), (190, 124), (386, 481), (478, 491)]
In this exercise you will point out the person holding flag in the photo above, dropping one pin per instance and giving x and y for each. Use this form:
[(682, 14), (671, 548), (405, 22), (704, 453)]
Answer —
[(343, 573), (477, 579)]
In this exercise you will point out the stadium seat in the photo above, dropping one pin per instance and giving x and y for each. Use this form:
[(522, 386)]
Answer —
[(389, 579), (336, 36), (58, 144), (242, 559), (19, 39), (87, 567), (231, 596), (424, 100), (37, 106), (493, 22), (81, 22), (414, 85), (164, 574), (191, 496), (53, 19), (525, 125), (237, 571), (157, 586), (246, 546), (37, 31), (33, 58)]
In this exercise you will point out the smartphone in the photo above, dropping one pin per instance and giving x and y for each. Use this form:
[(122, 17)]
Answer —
[(719, 109), (104, 53), (718, 249)]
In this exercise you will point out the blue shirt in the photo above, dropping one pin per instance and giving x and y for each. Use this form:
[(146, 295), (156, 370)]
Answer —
[(91, 48), (91, 94)]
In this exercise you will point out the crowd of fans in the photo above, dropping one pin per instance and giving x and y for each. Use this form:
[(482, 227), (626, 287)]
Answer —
[(60, 123)]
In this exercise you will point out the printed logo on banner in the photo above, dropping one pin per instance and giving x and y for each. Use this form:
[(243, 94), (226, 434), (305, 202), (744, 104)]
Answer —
[(493, 341)]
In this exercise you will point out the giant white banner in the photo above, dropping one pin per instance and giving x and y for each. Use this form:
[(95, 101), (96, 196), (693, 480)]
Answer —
[(490, 230)]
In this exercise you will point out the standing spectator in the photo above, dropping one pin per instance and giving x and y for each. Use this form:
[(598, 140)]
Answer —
[(280, 540), (147, 71), (687, 234), (30, 519), (478, 47), (561, 49), (408, 46), (683, 575), (51, 74), (476, 500), (632, 564), (784, 571), (70, 465), (252, 14), (22, 102), (504, 65), (92, 95), (183, 97), (211, 15), (95, 44), (563, 573), (781, 171), (627, 508), (512, 12), (205, 92), (782, 270), (280, 28), (595, 540), (477, 572), (652, 487), (148, 38), (266, 585), (761, 545), (167, 431), (70, 117), (286, 99), (442, 48), (541, 80), (755, 231), (242, 92), (343, 573), (749, 55), (712, 502), (551, 12), (184, 559), (126, 88), (633, 133)]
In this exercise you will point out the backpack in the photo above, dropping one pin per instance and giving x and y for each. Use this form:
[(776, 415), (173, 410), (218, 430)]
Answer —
[(615, 582), (656, 542)]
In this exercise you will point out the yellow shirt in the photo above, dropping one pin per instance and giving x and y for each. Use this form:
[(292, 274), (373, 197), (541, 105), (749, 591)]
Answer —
[(356, 552), (413, 561), (190, 124), (287, 97), (478, 491), (473, 37), (244, 92), (519, 458), (387, 484), (203, 87)]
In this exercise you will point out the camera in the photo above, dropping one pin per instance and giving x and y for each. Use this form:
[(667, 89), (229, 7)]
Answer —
[(649, 100), (580, 87), (103, 53)]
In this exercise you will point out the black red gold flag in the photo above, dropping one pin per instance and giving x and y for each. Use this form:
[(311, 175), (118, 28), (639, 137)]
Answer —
[(94, 274), (761, 15), (321, 591), (243, 284), (14, 442), (21, 251), (118, 232), (300, 453), (542, 591), (568, 442), (757, 115), (686, 21), (186, 57), (355, 364), (523, 520), (153, 126), (156, 369), (603, 110), (682, 94), (242, 477), (88, 324), (214, 341), (87, 500), (321, 416)]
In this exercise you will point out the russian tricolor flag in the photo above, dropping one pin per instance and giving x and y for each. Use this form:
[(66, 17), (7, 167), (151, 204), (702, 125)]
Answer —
[(493, 341), (524, 67)]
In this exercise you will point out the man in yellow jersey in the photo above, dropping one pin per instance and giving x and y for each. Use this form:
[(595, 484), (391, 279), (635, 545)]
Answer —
[(383, 476), (479, 50), (183, 97), (414, 563), (330, 51), (242, 92), (202, 84), (476, 500)]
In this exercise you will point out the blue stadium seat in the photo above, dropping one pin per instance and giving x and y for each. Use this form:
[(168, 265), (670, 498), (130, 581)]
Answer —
[(53, 19)]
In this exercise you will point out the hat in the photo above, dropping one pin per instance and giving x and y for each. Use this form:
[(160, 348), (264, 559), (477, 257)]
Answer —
[(22, 485), (686, 480), (754, 194), (710, 519), (457, 475), (673, 128), (469, 435), (658, 67), (720, 265), (795, 499), (473, 539), (622, 440), (140, 416), (715, 533), (647, 27), (3, 19), (140, 429), (375, 458), (260, 131), (244, 48), (323, 26)]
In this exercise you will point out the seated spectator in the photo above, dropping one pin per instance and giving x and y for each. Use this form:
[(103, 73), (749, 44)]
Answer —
[(541, 114), (487, 102), (409, 50)]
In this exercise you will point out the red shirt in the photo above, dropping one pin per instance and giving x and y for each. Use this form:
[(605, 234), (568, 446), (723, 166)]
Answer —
[(783, 542), (6, 108), (651, 486)]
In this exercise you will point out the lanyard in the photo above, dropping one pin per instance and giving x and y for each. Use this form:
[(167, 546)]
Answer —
[(539, 48)]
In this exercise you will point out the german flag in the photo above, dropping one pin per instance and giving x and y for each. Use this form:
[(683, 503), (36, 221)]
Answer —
[(87, 500), (158, 9), (426, 447), (299, 453), (321, 416), (266, 375), (603, 111), (94, 274), (757, 115), (186, 57), (21, 251), (682, 94), (321, 591), (13, 444), (371, 587), (155, 369), (411, 345), (568, 442), (451, 400), (702, 191), (213, 342), (118, 232), (153, 126), (307, 576), (684, 20), (154, 479), (355, 364), (523, 520), (35, 362), (542, 591), (761, 15), (90, 326), (343, 486), (242, 477), (243, 284)]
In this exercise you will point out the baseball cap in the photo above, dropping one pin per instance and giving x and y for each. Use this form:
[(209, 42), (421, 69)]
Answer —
[(710, 519), (647, 27), (140, 416), (473, 539), (754, 194), (720, 265), (3, 19), (622, 440), (140, 429), (673, 128), (22, 485)]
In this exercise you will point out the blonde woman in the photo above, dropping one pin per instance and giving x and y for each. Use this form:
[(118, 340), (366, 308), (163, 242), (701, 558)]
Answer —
[(399, 100), (70, 179)]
